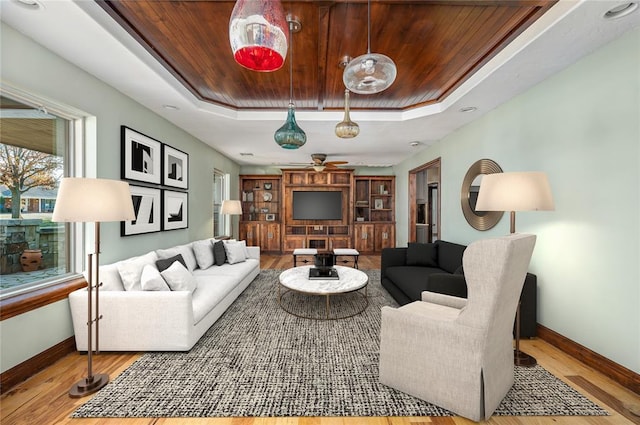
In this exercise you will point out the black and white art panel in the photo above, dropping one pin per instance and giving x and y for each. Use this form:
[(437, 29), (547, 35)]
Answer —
[(146, 205), (175, 210), (141, 157), (176, 168)]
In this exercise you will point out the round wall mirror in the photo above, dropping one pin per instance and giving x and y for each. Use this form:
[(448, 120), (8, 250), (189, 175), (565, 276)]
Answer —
[(480, 220)]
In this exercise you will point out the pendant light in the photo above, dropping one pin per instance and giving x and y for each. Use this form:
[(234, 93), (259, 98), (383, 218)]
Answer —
[(370, 73), (347, 129), (257, 34), (290, 135)]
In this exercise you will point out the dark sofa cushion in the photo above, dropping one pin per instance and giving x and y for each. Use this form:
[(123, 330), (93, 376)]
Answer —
[(449, 255), (422, 254), (412, 280)]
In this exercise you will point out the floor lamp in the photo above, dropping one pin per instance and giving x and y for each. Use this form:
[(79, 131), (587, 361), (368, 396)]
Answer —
[(231, 207), (518, 191), (82, 200)]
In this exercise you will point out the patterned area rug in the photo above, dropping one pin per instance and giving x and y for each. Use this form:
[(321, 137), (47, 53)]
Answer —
[(258, 360)]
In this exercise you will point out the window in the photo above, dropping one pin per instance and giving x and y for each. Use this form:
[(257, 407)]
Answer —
[(35, 153), (220, 193)]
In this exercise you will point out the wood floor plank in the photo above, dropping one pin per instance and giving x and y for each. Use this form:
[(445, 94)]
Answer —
[(43, 398)]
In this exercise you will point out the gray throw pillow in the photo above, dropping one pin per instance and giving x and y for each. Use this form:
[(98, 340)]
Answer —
[(422, 254), (219, 253), (165, 263)]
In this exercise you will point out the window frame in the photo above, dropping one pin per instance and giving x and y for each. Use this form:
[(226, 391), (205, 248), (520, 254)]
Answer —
[(217, 217)]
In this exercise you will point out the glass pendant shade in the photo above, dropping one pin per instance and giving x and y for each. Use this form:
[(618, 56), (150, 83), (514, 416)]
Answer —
[(347, 129), (257, 33), (290, 135), (370, 73)]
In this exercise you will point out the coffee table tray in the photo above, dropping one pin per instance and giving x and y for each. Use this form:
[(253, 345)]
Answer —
[(323, 273)]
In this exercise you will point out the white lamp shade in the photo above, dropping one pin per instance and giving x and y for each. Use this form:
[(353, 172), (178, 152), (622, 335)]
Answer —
[(517, 191), (93, 200), (231, 207)]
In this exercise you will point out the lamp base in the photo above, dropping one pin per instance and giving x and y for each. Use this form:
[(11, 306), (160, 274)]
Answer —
[(521, 358), (85, 386)]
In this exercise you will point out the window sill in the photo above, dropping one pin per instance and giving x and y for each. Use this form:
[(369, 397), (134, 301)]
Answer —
[(23, 303)]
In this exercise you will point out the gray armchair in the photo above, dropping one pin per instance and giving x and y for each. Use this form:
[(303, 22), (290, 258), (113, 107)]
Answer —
[(457, 353)]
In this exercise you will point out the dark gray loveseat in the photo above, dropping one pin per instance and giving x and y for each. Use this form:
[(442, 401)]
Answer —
[(437, 267)]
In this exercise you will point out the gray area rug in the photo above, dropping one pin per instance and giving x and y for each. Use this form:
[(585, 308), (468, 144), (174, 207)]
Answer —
[(258, 360)]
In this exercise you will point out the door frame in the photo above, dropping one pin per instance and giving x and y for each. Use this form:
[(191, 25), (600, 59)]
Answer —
[(436, 163)]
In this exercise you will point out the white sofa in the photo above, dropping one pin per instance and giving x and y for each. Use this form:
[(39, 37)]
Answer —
[(168, 320)]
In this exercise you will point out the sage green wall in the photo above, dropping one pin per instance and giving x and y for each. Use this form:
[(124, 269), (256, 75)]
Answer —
[(582, 128), (34, 69)]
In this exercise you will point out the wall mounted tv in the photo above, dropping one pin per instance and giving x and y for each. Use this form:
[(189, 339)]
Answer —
[(320, 205)]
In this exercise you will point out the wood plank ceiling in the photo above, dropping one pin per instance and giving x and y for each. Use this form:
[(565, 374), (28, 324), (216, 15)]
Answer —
[(436, 46)]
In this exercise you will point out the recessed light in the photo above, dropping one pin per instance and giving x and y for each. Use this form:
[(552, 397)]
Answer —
[(620, 11), (170, 107), (29, 4), (414, 144), (468, 109)]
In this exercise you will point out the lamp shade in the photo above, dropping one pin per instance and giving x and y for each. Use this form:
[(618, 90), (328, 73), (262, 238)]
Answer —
[(231, 207), (370, 73), (290, 135), (93, 200), (516, 191), (257, 34)]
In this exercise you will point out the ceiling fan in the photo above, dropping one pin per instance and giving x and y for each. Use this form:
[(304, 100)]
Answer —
[(320, 165)]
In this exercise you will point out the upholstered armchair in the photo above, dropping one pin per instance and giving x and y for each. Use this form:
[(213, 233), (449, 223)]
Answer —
[(457, 353)]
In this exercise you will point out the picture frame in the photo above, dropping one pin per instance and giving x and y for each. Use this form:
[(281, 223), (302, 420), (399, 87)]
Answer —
[(175, 210), (175, 167), (140, 157), (270, 217), (378, 204), (146, 206)]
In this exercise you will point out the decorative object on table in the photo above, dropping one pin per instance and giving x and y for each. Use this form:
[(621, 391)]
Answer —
[(175, 207), (30, 260), (146, 206), (270, 217), (141, 156), (233, 207), (264, 210), (267, 196), (257, 33), (176, 167), (378, 204), (372, 72), (479, 220), (516, 191), (290, 135), (347, 129), (268, 186), (82, 200)]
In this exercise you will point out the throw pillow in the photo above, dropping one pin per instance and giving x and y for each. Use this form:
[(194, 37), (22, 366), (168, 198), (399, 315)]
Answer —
[(203, 251), (131, 270), (422, 254), (179, 278), (235, 252), (459, 270), (165, 263), (219, 253), (151, 280), (110, 278), (185, 250)]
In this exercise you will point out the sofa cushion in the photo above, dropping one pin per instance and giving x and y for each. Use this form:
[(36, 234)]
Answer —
[(411, 280), (110, 278), (203, 251), (235, 252), (219, 253), (449, 255), (164, 263), (131, 270), (422, 254), (179, 278), (185, 250), (211, 290), (151, 280)]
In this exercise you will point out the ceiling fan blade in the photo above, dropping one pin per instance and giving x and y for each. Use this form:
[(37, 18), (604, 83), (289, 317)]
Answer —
[(336, 162)]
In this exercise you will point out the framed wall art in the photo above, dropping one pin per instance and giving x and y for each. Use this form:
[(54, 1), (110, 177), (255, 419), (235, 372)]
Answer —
[(175, 210), (146, 206), (141, 157), (175, 167)]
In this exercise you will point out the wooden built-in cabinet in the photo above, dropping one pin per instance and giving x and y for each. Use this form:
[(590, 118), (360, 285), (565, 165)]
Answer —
[(261, 198), (368, 216)]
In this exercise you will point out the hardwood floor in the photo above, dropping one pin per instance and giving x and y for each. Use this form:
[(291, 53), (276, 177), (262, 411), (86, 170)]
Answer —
[(43, 398)]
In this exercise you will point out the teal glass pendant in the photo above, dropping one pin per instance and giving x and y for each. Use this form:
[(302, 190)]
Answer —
[(290, 135)]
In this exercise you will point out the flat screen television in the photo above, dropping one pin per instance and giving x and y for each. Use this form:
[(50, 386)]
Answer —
[(320, 205)]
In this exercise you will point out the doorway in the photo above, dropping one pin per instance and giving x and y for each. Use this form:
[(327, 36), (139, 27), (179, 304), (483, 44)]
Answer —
[(424, 202)]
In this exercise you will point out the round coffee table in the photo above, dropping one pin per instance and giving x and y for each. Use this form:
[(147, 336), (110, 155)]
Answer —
[(349, 280)]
